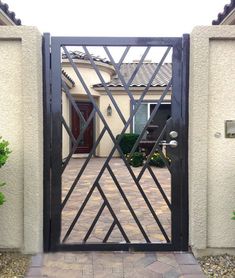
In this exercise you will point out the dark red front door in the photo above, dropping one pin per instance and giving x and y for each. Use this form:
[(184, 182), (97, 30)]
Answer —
[(86, 142)]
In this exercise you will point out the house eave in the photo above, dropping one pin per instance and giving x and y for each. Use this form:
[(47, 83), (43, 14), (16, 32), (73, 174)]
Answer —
[(68, 82), (229, 19), (134, 90), (5, 20), (140, 89), (226, 17), (86, 64)]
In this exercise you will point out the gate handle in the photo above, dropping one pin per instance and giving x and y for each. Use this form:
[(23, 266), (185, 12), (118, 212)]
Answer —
[(172, 143)]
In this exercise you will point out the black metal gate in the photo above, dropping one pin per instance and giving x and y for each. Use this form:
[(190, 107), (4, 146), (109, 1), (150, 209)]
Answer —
[(100, 201)]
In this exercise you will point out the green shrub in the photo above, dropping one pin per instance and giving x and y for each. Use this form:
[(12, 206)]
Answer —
[(137, 159), (127, 142), (4, 151), (233, 217), (4, 154), (156, 160), (2, 197)]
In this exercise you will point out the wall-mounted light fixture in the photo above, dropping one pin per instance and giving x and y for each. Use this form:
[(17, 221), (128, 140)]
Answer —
[(109, 110)]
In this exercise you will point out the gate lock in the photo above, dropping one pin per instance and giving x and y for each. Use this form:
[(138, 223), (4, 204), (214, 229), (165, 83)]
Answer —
[(172, 143)]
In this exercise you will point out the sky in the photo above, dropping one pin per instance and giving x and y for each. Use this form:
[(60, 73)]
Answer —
[(116, 18)]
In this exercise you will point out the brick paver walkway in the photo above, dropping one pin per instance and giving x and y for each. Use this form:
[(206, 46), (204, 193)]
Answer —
[(116, 201), (115, 265)]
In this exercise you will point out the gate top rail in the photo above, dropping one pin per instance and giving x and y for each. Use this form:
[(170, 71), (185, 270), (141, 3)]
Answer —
[(116, 41)]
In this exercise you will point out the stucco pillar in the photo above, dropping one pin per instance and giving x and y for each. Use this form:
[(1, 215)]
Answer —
[(211, 155), (22, 125)]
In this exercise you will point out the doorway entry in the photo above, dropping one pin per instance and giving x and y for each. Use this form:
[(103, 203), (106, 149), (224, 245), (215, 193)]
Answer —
[(86, 142)]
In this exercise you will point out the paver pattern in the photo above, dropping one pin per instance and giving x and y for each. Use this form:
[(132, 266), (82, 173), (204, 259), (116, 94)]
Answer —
[(116, 201), (115, 265)]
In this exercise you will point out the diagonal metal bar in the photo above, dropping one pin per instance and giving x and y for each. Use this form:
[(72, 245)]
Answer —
[(112, 213), (160, 188), (64, 86), (151, 79), (145, 198), (142, 97), (151, 153), (109, 232), (150, 118), (94, 222), (105, 85), (123, 56), (68, 130), (116, 145), (89, 94), (156, 71), (79, 213), (128, 204), (116, 142), (90, 118), (146, 165), (138, 186), (83, 168), (164, 158), (140, 63), (156, 146), (83, 206), (118, 73)]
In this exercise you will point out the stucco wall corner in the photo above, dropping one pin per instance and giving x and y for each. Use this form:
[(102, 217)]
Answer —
[(198, 114), (22, 124), (33, 140), (211, 158)]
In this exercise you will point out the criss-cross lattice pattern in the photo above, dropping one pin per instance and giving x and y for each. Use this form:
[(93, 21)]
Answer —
[(121, 217)]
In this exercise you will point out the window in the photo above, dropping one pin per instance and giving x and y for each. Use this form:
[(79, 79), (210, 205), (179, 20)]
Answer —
[(144, 112)]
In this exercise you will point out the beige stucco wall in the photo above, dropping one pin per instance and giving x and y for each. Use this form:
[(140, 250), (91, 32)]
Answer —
[(211, 155), (21, 124)]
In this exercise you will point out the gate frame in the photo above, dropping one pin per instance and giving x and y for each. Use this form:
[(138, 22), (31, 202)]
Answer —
[(49, 243)]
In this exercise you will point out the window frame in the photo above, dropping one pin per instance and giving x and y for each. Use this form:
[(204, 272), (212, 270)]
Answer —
[(148, 103)]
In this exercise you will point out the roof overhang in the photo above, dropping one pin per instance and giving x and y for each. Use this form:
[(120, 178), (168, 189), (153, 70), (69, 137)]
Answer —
[(5, 20), (7, 17), (86, 64), (227, 17), (135, 90), (67, 79)]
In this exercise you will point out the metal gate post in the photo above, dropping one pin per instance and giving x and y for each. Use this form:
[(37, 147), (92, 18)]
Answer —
[(47, 141)]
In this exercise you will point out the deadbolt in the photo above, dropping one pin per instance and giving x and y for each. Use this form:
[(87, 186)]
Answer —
[(173, 134)]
